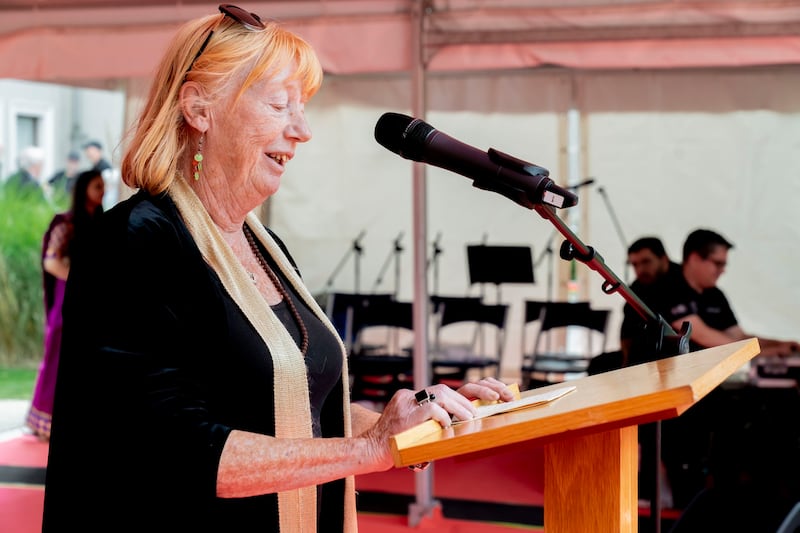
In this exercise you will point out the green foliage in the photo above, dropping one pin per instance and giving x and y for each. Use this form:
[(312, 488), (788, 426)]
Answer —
[(23, 222), (17, 383)]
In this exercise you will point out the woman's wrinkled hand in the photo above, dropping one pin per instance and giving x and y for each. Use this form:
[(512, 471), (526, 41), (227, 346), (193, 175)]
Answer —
[(404, 411), (487, 389)]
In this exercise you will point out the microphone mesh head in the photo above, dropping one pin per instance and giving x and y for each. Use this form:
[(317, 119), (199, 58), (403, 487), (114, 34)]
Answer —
[(389, 130), (402, 135)]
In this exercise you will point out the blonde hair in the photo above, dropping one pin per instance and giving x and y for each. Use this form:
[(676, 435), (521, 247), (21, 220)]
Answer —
[(234, 54)]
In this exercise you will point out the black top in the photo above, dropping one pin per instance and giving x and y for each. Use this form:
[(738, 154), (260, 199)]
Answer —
[(653, 295), (158, 365), (711, 306), (323, 360), (101, 165)]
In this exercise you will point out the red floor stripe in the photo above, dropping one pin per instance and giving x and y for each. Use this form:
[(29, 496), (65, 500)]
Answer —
[(22, 509)]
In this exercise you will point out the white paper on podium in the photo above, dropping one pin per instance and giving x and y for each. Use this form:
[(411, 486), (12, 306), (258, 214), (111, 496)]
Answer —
[(528, 401)]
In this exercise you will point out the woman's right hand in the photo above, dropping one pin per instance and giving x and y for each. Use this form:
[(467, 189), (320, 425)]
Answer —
[(404, 412)]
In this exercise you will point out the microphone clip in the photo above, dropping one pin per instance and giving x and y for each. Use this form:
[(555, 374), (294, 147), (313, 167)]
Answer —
[(525, 197)]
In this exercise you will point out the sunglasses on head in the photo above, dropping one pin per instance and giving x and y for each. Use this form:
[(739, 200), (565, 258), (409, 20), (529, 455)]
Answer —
[(251, 21)]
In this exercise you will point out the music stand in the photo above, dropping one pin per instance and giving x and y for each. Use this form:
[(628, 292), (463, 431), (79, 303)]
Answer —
[(500, 264)]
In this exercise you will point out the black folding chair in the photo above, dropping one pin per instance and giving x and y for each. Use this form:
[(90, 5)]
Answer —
[(380, 359), (555, 356), (469, 335)]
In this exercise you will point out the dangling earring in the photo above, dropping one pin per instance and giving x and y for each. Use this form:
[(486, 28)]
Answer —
[(197, 162)]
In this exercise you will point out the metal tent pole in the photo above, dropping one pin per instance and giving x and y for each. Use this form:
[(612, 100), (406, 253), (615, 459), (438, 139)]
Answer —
[(423, 480)]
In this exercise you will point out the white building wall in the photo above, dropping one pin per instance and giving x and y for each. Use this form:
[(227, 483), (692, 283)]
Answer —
[(68, 117)]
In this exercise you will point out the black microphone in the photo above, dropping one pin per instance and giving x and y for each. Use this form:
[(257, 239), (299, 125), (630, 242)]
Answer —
[(583, 183), (437, 248), (357, 242), (525, 183)]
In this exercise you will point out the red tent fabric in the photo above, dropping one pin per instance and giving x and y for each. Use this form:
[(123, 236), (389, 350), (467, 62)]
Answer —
[(70, 41)]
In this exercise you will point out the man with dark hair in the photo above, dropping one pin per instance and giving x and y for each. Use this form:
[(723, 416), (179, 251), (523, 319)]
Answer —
[(697, 299), (649, 259), (727, 435), (655, 273), (94, 153), (654, 270)]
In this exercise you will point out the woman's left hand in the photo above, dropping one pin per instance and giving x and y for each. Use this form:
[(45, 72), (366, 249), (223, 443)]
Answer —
[(458, 402), (487, 389)]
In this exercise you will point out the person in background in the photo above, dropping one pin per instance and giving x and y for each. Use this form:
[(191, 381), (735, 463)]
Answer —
[(209, 391), (649, 260), (735, 453), (93, 151), (696, 298), (26, 180), (62, 242), (63, 182), (654, 270)]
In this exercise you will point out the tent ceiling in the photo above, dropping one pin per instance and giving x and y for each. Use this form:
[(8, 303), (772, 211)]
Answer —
[(65, 40)]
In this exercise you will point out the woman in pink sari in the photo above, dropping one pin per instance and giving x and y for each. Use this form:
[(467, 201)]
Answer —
[(60, 244)]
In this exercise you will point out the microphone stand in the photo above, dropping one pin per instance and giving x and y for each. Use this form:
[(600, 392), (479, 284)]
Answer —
[(355, 249), (664, 340), (394, 253), (584, 183), (434, 260), (660, 334), (548, 251), (617, 226)]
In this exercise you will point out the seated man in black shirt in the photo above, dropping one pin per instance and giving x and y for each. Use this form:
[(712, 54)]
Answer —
[(695, 297), (729, 436), (654, 272)]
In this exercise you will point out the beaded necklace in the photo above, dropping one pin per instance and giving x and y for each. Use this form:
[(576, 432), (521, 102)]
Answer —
[(279, 286)]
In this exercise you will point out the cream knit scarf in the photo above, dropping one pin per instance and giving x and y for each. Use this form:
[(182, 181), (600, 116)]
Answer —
[(297, 508)]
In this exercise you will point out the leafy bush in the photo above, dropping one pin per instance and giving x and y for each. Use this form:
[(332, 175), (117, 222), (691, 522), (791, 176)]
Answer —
[(17, 383), (23, 222)]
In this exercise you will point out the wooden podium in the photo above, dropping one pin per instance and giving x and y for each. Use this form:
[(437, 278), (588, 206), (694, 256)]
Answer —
[(589, 435)]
